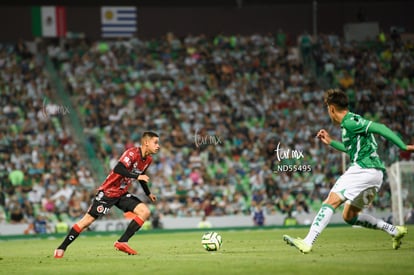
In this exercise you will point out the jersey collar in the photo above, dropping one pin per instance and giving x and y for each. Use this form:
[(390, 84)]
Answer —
[(140, 154)]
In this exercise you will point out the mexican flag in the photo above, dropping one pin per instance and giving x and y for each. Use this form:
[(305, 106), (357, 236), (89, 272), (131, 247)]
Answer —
[(49, 21)]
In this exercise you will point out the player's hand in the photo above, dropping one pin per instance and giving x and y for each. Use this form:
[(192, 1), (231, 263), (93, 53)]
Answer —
[(324, 136), (152, 197), (143, 177), (410, 147)]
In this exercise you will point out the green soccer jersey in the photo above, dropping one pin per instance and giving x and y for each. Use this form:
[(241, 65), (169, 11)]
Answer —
[(359, 143)]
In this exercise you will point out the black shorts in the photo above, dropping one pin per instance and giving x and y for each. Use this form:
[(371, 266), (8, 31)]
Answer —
[(102, 204)]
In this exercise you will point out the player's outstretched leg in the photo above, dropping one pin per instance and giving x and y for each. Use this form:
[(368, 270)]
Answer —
[(298, 243), (396, 240), (397, 232), (70, 237)]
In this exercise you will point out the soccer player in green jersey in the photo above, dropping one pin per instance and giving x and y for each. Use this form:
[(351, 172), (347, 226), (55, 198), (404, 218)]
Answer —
[(358, 186)]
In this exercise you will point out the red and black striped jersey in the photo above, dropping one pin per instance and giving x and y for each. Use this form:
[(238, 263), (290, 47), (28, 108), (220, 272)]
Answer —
[(115, 185)]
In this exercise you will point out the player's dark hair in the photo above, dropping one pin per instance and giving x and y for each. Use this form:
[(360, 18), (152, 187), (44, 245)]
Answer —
[(336, 97), (149, 134)]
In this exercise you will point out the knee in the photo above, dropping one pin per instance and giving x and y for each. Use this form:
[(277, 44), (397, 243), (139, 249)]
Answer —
[(143, 212), (146, 213)]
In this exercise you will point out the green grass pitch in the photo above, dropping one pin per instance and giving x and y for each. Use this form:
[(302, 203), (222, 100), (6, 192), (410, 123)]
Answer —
[(339, 250)]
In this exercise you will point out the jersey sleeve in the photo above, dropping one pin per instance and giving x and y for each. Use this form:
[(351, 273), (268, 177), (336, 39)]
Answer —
[(357, 125), (381, 129), (338, 145), (128, 158), (123, 171)]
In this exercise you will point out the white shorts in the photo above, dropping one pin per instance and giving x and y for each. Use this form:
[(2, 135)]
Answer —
[(358, 185)]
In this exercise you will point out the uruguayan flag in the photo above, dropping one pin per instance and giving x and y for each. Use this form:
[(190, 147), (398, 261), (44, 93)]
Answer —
[(119, 21)]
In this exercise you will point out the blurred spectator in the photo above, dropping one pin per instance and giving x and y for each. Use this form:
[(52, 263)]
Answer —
[(290, 220), (286, 203), (61, 207), (15, 210), (156, 222), (409, 218), (3, 216), (61, 226), (305, 45), (39, 225), (204, 223), (76, 210), (301, 205), (16, 177), (48, 203), (346, 81), (258, 214)]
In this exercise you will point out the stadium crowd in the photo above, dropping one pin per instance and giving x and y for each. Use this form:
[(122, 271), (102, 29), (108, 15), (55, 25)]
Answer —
[(40, 162), (233, 113)]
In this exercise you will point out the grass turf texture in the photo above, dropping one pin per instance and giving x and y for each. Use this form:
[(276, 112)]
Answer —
[(339, 250)]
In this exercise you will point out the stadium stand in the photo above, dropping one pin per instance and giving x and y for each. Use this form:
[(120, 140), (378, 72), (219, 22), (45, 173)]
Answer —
[(222, 106), (39, 157)]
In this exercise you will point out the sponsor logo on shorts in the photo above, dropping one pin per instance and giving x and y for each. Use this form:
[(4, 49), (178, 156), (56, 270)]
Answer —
[(101, 209), (100, 195)]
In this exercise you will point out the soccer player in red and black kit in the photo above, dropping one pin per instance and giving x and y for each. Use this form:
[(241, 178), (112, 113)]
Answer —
[(114, 191)]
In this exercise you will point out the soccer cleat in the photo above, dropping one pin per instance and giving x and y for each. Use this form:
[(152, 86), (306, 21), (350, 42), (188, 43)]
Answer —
[(124, 247), (298, 243), (59, 253), (396, 240)]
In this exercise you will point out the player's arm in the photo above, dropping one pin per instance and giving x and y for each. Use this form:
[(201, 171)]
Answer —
[(142, 178), (121, 169), (381, 129), (338, 146), (144, 185), (324, 136), (146, 189)]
